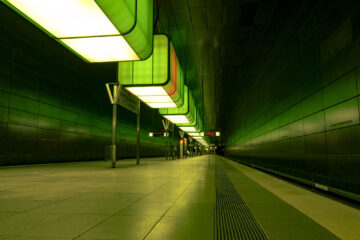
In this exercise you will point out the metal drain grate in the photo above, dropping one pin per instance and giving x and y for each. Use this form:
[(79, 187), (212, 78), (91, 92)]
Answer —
[(233, 218)]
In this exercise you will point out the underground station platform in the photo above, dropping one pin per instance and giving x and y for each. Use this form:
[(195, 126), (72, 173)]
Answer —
[(203, 197), (256, 102)]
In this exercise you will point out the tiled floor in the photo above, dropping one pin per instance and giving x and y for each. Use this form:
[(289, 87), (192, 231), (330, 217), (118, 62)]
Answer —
[(156, 200)]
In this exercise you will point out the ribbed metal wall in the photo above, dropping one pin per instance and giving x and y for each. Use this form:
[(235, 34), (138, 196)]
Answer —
[(310, 128)]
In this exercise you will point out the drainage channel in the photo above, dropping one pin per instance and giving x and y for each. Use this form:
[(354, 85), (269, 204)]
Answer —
[(233, 218)]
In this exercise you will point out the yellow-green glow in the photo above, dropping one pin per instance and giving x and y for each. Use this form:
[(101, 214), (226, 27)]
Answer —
[(157, 80), (188, 129), (148, 91), (154, 99), (102, 49), (177, 118), (83, 27), (197, 137), (194, 134), (67, 18), (162, 105)]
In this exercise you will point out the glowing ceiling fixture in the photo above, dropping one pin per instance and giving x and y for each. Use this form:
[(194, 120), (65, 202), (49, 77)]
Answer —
[(155, 99), (148, 91), (195, 127), (188, 129), (96, 30), (194, 134), (177, 118), (197, 138), (162, 105), (158, 81), (184, 114)]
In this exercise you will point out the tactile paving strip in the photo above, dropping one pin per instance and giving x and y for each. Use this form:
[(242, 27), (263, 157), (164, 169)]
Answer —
[(233, 218)]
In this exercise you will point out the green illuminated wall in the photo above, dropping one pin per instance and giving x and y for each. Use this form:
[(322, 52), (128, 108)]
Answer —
[(306, 123), (54, 107)]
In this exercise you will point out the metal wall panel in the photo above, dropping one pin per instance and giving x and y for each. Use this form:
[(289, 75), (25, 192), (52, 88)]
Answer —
[(343, 140), (313, 104), (342, 115), (315, 143), (317, 164), (340, 90), (314, 123), (296, 112), (296, 128), (344, 171)]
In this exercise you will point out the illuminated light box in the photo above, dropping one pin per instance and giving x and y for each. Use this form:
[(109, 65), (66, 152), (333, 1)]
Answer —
[(177, 118), (194, 128), (95, 30), (189, 129), (184, 114), (193, 122), (158, 81), (202, 140), (197, 138), (194, 134)]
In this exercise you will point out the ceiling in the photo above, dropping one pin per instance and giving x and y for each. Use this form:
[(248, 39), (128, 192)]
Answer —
[(230, 49), (216, 41), (234, 51)]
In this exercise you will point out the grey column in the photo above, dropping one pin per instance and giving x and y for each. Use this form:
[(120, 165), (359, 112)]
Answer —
[(138, 136)]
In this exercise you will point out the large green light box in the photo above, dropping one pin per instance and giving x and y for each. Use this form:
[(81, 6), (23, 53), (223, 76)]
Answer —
[(192, 128), (202, 140), (184, 114), (159, 80), (95, 30)]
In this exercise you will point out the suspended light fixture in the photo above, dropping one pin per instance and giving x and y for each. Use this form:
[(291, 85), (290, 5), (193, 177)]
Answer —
[(189, 129), (194, 127), (202, 140), (195, 134), (96, 30), (184, 114), (158, 81), (197, 137)]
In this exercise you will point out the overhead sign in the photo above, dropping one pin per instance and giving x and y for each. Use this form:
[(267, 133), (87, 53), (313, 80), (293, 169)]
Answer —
[(128, 101), (158, 134), (211, 133)]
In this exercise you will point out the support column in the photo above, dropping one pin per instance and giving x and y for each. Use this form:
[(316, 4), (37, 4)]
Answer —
[(191, 146), (113, 141), (181, 144), (114, 99), (172, 142), (138, 135), (166, 124)]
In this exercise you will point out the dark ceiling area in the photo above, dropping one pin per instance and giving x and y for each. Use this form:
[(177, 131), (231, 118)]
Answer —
[(237, 53), (217, 42)]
